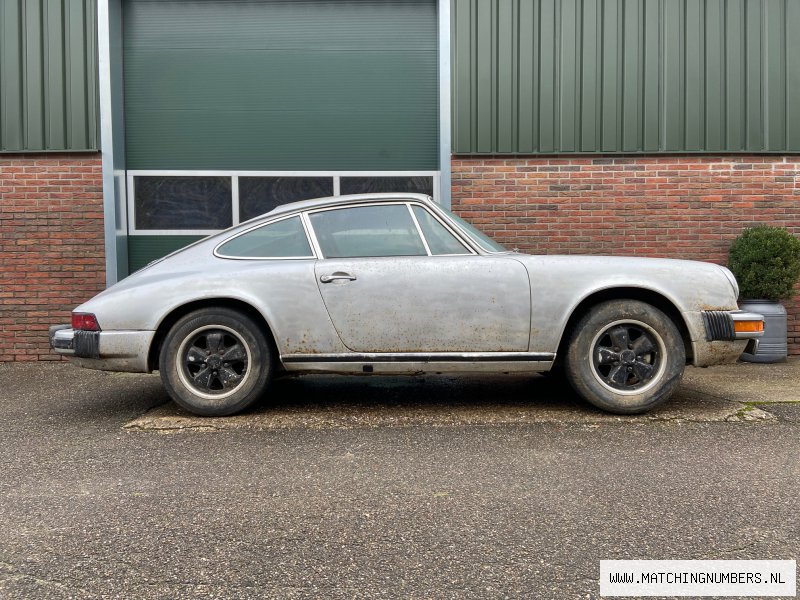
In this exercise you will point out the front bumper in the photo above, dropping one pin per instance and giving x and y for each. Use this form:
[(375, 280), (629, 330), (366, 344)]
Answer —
[(721, 326), (103, 350)]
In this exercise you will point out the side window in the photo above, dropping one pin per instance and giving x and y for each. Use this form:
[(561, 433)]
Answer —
[(367, 231), (282, 239), (440, 241)]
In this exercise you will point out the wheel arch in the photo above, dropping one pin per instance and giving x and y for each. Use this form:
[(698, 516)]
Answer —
[(177, 313), (647, 295)]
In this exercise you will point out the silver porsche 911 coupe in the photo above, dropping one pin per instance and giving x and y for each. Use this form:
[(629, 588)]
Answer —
[(395, 284)]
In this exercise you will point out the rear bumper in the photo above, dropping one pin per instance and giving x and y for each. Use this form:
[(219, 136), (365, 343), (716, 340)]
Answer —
[(103, 350)]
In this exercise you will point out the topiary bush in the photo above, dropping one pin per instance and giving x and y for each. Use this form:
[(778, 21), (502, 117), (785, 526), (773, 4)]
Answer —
[(766, 263)]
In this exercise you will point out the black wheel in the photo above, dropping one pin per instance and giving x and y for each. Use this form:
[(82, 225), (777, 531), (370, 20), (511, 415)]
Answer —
[(625, 356), (215, 362)]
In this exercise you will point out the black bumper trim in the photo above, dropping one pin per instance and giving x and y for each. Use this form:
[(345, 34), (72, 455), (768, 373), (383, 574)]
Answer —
[(719, 325), (87, 344)]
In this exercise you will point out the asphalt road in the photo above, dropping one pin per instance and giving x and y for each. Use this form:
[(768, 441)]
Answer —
[(91, 510)]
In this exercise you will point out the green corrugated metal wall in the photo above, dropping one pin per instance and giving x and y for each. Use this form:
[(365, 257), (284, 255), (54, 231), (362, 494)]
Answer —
[(48, 75), (566, 76), (276, 85)]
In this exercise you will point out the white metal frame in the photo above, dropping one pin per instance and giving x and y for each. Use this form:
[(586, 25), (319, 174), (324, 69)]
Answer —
[(235, 175), (112, 135), (445, 126)]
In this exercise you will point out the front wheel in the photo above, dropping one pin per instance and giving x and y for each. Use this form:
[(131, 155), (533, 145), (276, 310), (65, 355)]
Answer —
[(625, 357), (215, 362)]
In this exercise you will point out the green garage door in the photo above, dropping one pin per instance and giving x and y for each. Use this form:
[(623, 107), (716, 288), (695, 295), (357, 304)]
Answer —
[(281, 85), (313, 86)]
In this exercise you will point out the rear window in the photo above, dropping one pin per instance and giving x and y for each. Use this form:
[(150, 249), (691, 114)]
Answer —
[(283, 239)]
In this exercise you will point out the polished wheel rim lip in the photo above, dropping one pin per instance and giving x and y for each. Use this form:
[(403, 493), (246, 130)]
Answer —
[(188, 370), (601, 351)]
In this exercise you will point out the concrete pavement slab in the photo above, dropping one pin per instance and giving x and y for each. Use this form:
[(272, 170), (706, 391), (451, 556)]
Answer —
[(740, 392), (748, 382), (345, 402)]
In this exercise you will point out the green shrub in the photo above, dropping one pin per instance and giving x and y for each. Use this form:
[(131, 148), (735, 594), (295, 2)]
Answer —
[(766, 263)]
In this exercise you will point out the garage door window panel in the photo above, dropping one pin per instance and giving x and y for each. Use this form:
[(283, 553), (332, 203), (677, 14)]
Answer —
[(388, 185), (182, 203), (259, 195)]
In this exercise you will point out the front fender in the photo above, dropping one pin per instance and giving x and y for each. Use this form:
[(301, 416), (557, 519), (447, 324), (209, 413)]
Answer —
[(562, 285)]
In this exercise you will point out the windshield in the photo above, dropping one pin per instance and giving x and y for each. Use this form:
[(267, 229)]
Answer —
[(478, 237)]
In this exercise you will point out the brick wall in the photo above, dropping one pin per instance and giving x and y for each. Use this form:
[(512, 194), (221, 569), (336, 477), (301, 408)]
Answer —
[(51, 220), (51, 246), (668, 206)]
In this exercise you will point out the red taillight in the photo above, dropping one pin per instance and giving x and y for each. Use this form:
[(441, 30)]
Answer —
[(85, 321)]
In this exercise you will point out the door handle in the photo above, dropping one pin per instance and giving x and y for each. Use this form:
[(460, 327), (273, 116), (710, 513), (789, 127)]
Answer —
[(335, 276)]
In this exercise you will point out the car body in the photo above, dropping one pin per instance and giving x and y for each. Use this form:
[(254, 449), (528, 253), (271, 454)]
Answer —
[(395, 284)]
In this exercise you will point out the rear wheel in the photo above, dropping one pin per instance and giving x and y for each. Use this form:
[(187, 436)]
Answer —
[(625, 356), (215, 362)]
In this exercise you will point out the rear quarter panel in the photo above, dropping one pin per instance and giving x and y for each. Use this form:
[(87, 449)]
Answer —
[(284, 292)]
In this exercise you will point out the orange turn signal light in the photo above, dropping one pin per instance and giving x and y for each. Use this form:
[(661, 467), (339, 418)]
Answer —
[(748, 326)]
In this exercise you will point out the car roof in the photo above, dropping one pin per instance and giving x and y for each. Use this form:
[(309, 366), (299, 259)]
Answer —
[(343, 201)]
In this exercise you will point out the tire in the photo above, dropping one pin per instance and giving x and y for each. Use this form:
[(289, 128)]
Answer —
[(215, 362), (625, 357)]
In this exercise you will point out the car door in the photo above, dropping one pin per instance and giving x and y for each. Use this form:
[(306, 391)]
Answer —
[(389, 289)]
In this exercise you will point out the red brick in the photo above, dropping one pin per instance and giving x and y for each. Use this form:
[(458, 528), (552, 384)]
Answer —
[(669, 206), (37, 242)]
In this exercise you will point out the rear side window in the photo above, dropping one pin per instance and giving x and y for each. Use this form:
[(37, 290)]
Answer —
[(282, 239), (364, 231), (440, 241)]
